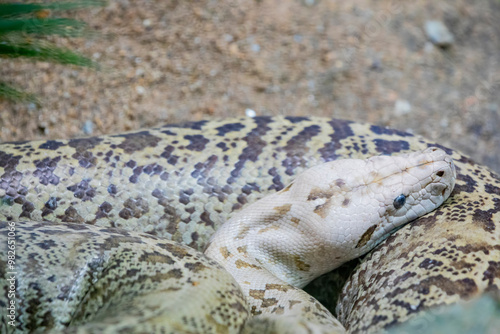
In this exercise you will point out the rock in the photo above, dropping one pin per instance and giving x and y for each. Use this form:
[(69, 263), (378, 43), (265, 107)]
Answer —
[(255, 47), (250, 112), (88, 127), (140, 90), (402, 107), (438, 33)]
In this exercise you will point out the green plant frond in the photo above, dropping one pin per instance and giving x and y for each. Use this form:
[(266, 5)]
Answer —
[(42, 27), (45, 52), (17, 9), (8, 92), (23, 27)]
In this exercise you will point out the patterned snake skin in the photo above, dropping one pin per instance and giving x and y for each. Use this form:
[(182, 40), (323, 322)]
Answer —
[(183, 181)]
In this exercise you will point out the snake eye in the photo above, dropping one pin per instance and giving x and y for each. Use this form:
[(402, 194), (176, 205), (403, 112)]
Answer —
[(399, 201)]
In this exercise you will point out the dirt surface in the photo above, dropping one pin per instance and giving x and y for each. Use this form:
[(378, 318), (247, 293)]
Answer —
[(171, 61)]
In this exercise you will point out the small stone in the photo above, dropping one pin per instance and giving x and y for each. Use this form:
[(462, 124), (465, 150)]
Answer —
[(255, 47), (376, 64), (444, 123), (402, 107), (88, 127), (140, 90), (438, 33), (146, 23), (139, 72), (250, 112)]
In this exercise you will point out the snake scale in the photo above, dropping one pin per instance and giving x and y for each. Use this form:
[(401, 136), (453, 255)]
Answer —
[(106, 191)]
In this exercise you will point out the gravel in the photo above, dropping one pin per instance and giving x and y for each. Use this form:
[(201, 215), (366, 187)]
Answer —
[(173, 61)]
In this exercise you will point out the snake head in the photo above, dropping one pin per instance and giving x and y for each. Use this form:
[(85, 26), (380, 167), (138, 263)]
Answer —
[(406, 187), (356, 204)]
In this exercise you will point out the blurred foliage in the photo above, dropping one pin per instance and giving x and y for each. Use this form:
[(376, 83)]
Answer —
[(24, 28)]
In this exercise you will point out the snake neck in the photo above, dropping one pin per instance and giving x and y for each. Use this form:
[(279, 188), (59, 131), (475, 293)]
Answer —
[(266, 293), (274, 244)]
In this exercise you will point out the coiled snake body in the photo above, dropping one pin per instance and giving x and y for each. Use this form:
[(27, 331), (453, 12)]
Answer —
[(182, 182)]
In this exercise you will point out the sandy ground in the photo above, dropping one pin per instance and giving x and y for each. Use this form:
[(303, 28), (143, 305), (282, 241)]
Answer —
[(168, 61)]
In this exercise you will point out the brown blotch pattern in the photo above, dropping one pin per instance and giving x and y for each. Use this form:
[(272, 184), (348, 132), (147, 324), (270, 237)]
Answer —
[(301, 265), (83, 190), (287, 188), (282, 210), (242, 264), (296, 148), (138, 141), (71, 216), (322, 209), (320, 193), (242, 249), (366, 236), (45, 170), (225, 252), (134, 208), (259, 295), (279, 287)]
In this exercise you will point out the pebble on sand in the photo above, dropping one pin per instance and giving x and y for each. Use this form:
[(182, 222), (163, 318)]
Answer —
[(438, 33)]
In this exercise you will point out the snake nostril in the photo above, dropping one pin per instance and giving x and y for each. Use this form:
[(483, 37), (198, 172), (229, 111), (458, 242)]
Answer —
[(440, 173)]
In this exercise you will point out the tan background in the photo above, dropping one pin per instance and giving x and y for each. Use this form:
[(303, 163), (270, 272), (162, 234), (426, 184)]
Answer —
[(167, 61)]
